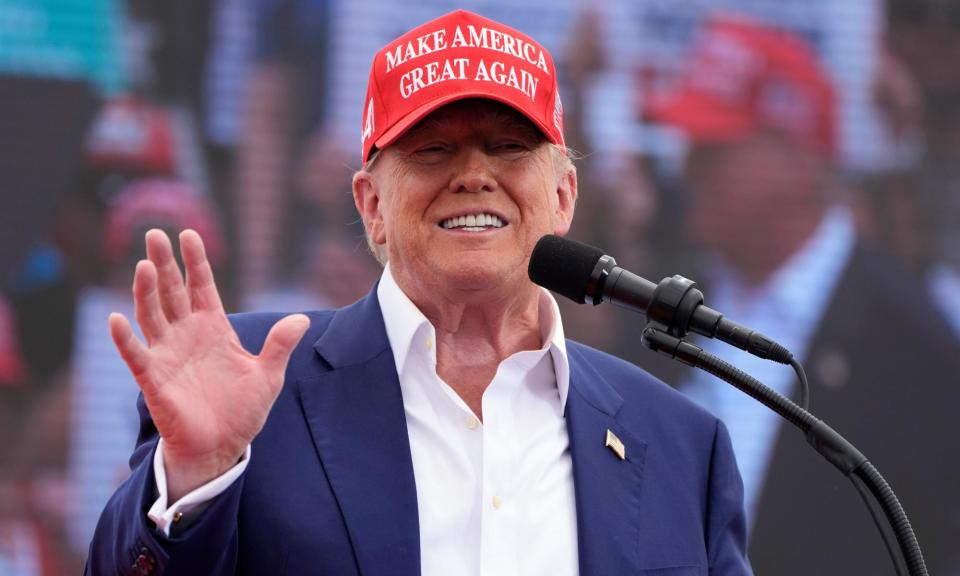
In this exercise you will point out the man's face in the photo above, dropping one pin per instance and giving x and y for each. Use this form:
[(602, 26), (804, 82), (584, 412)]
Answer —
[(752, 201), (462, 198)]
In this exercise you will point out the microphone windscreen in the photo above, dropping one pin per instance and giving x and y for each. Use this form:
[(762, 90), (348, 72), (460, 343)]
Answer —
[(563, 266)]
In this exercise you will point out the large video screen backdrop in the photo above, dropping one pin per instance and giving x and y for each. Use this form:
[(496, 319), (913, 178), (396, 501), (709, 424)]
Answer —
[(241, 119)]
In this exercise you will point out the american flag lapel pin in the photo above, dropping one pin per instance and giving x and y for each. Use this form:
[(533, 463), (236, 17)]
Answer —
[(615, 444)]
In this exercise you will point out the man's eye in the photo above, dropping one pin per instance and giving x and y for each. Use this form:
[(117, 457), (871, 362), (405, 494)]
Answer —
[(510, 147), (431, 149)]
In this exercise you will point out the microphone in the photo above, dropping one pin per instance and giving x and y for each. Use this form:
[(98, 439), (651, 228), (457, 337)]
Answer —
[(584, 274)]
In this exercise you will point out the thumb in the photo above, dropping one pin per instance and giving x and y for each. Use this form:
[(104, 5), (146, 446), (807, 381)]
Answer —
[(281, 341)]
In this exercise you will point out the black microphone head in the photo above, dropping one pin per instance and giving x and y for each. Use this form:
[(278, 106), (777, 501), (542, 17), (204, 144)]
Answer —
[(564, 266)]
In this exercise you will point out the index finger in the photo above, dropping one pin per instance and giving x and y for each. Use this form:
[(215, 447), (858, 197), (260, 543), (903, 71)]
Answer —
[(173, 295), (200, 283)]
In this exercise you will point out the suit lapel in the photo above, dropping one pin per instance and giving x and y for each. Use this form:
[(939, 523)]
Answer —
[(356, 417), (607, 488)]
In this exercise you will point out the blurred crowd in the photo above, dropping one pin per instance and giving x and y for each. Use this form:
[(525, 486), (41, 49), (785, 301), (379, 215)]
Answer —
[(799, 159)]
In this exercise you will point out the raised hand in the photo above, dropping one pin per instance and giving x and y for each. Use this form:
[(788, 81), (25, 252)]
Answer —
[(207, 395)]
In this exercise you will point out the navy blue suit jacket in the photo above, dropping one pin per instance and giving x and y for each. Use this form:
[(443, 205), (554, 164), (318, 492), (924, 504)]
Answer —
[(330, 487)]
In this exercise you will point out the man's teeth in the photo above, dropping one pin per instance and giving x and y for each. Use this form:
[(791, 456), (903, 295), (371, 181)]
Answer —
[(473, 222)]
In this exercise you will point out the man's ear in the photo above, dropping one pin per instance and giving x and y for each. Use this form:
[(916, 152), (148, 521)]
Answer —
[(366, 196), (566, 201)]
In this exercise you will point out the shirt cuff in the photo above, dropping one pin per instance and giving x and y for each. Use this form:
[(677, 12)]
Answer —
[(164, 516)]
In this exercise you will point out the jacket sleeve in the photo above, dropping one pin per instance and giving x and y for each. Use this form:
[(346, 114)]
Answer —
[(126, 541), (726, 518)]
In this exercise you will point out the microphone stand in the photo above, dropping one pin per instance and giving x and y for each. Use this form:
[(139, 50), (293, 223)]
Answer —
[(673, 308), (824, 439)]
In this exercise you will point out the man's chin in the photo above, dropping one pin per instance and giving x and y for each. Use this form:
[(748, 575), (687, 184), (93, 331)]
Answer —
[(476, 274)]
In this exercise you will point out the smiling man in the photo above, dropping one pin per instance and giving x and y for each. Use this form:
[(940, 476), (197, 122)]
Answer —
[(442, 424)]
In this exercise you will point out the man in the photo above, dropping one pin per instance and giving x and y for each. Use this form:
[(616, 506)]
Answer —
[(783, 258), (442, 424)]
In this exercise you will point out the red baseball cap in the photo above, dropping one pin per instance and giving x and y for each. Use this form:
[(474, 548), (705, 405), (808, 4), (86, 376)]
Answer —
[(456, 56), (159, 202), (132, 134), (742, 76)]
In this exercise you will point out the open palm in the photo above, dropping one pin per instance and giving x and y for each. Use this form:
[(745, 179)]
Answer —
[(207, 395)]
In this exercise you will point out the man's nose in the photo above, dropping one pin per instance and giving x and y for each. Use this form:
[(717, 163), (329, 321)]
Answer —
[(474, 171)]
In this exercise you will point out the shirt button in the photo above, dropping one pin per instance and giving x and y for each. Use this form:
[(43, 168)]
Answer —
[(177, 516), (429, 343), (472, 422), (497, 502)]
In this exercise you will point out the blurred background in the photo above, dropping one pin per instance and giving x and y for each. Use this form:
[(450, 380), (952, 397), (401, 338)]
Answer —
[(833, 195)]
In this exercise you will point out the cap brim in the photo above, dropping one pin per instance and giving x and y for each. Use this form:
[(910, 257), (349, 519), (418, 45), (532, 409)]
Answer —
[(702, 118), (418, 114)]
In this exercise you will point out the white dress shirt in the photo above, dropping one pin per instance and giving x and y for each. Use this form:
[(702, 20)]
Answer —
[(494, 498), (787, 307), (943, 281)]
